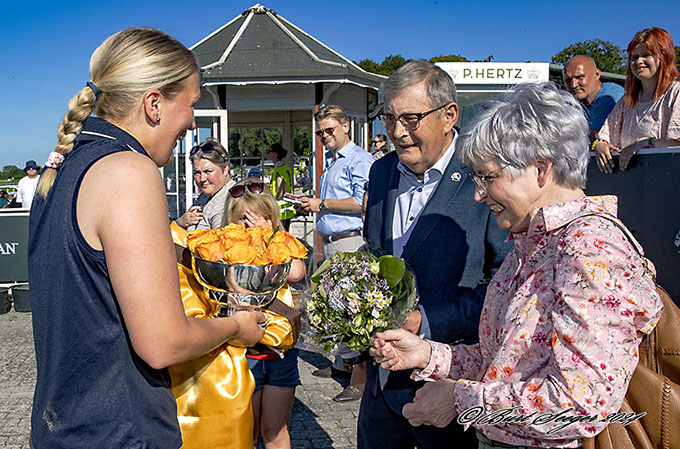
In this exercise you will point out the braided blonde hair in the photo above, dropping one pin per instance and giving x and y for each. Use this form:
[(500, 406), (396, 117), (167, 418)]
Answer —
[(123, 67)]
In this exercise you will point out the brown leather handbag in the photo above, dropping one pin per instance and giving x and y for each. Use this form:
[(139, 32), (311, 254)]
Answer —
[(654, 388)]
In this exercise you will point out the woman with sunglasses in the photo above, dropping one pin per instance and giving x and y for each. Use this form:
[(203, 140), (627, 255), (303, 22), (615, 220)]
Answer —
[(210, 162), (648, 114), (107, 312)]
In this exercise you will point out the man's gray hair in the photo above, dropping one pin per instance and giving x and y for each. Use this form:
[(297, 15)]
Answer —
[(533, 122), (441, 89)]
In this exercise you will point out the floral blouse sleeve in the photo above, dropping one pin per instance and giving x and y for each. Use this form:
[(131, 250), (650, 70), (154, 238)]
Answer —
[(603, 301), (459, 361)]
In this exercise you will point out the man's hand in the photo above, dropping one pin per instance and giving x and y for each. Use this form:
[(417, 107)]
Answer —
[(433, 404), (310, 204), (413, 321), (603, 156), (399, 349)]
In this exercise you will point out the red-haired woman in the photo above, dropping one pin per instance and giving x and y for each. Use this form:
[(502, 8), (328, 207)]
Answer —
[(648, 115)]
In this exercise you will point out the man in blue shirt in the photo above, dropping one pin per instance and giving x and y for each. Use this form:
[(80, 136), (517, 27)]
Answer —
[(341, 187), (582, 79), (341, 194)]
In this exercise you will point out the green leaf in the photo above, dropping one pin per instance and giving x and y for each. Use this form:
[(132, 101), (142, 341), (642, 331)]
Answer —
[(392, 269), (318, 274)]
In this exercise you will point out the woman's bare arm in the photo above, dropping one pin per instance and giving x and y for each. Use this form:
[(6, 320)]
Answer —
[(122, 209)]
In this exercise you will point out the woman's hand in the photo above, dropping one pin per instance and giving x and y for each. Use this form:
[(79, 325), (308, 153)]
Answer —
[(191, 217), (255, 219), (433, 404), (603, 155), (630, 151), (399, 349), (249, 330)]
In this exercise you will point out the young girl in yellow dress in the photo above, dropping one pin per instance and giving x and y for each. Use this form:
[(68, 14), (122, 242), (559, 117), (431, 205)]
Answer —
[(214, 391)]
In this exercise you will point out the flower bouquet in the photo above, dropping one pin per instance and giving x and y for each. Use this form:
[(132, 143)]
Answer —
[(243, 267), (354, 296)]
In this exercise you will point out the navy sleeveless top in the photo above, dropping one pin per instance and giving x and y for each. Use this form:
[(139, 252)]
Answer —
[(93, 390)]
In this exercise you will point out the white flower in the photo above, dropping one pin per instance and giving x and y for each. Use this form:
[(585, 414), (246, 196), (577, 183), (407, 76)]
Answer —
[(353, 302), (356, 321), (375, 313)]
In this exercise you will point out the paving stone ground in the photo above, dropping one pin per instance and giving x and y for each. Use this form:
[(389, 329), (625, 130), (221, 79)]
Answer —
[(317, 422)]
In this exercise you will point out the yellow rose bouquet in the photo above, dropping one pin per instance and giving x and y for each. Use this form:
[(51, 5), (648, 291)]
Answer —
[(242, 267), (237, 245)]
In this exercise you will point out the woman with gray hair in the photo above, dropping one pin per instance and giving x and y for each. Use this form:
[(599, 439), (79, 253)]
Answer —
[(565, 313)]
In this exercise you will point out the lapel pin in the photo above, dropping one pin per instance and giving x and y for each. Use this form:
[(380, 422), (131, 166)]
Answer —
[(455, 177)]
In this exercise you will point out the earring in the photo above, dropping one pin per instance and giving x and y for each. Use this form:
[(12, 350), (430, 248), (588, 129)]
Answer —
[(158, 119)]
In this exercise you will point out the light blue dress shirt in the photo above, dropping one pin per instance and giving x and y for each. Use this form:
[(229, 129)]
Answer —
[(343, 177)]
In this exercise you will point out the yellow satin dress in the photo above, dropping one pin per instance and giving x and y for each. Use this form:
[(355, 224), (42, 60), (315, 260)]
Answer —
[(214, 391)]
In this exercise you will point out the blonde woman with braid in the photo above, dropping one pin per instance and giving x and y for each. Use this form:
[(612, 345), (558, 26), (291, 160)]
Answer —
[(107, 312)]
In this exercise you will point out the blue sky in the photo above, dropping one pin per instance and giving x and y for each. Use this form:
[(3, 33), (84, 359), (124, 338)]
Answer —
[(45, 46)]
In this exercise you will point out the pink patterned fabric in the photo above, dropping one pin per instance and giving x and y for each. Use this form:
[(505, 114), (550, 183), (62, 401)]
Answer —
[(560, 328), (661, 120)]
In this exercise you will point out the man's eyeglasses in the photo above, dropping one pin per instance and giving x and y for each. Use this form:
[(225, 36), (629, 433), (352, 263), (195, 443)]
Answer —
[(328, 131), (207, 148), (409, 120), (483, 181), (238, 191)]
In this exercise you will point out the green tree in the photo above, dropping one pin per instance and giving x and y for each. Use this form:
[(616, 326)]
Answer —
[(11, 172), (369, 65), (302, 140), (389, 65), (677, 56), (449, 58), (608, 56)]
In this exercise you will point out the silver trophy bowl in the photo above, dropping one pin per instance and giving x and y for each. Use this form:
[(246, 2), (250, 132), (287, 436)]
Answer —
[(241, 287)]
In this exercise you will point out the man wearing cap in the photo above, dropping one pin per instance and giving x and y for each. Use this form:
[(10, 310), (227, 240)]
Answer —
[(27, 185), (582, 79)]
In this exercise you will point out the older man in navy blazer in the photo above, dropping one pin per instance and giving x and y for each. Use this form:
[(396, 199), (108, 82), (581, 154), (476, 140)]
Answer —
[(421, 207)]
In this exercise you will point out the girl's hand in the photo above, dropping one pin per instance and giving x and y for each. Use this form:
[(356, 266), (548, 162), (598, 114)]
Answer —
[(254, 219), (603, 155), (630, 151)]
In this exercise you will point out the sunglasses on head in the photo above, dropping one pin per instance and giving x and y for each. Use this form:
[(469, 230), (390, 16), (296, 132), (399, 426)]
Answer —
[(238, 191), (206, 148)]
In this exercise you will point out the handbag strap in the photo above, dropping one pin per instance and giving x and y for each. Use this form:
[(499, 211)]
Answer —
[(650, 339), (627, 233)]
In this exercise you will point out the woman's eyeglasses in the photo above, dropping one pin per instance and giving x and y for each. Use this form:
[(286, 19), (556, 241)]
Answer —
[(483, 181), (238, 191), (207, 148)]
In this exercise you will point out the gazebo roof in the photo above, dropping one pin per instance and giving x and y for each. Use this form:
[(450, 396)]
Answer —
[(261, 47)]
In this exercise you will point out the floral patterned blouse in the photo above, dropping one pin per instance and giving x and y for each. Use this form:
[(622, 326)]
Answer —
[(659, 119), (559, 331)]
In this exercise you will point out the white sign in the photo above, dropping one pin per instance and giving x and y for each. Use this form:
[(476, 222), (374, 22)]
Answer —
[(496, 72)]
